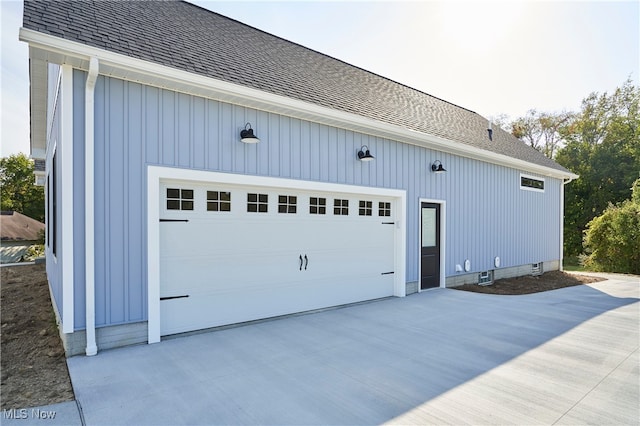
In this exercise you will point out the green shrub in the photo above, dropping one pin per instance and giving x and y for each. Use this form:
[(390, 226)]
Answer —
[(612, 240), (33, 252)]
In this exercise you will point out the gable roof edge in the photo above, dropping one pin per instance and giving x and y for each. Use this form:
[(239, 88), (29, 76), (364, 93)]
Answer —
[(59, 50)]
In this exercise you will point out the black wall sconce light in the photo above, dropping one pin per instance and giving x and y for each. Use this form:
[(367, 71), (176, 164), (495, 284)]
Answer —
[(247, 135), (436, 167), (364, 154)]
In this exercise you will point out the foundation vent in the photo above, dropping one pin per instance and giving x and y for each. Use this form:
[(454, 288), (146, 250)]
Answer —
[(536, 268), (485, 278)]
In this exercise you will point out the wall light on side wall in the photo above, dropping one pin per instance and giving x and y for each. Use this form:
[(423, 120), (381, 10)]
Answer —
[(247, 135), (436, 167), (364, 154)]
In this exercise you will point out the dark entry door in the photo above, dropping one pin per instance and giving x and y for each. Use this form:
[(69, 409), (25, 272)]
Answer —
[(430, 245)]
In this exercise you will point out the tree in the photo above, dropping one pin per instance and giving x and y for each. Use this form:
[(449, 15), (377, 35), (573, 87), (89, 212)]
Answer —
[(603, 147), (18, 191), (542, 130), (612, 240)]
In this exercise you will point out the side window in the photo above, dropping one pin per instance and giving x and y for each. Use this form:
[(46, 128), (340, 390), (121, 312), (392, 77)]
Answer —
[(287, 203), (531, 183), (384, 209), (340, 207), (365, 208), (54, 205), (179, 199), (218, 201), (317, 205), (257, 203), (48, 205)]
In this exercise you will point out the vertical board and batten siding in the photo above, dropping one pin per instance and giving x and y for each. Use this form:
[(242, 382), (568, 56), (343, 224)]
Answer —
[(488, 214), (53, 262)]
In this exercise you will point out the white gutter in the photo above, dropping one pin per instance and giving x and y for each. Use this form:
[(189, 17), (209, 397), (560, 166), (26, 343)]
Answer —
[(141, 71), (89, 224)]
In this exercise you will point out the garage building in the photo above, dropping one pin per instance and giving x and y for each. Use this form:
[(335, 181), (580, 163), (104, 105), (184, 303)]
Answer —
[(186, 190)]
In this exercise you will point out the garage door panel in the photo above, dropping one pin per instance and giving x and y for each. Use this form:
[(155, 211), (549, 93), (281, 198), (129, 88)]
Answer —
[(214, 237), (201, 273), (237, 266), (330, 264), (186, 314)]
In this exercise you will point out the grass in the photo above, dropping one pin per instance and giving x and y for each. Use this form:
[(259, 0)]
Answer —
[(572, 264)]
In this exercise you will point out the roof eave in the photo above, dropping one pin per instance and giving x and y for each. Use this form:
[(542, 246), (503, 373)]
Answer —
[(61, 51)]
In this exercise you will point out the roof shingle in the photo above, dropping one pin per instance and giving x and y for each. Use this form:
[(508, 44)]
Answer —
[(184, 36), (18, 227)]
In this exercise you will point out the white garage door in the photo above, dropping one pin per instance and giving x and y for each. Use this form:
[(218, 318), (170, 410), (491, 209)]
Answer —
[(232, 253)]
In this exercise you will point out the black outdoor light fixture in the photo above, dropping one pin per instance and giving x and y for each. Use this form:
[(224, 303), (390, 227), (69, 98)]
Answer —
[(247, 135), (364, 154), (436, 167)]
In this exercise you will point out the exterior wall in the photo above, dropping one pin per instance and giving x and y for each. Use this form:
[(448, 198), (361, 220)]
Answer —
[(488, 215), (53, 262)]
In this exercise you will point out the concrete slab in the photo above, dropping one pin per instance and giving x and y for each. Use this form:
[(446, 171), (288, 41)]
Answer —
[(443, 356)]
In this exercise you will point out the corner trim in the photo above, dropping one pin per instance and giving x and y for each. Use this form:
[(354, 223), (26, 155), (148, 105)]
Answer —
[(66, 194)]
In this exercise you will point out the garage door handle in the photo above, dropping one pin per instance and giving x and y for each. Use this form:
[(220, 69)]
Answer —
[(306, 262), (301, 262)]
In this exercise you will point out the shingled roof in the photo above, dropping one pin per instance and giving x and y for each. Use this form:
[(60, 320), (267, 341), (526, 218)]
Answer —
[(186, 37), (15, 226)]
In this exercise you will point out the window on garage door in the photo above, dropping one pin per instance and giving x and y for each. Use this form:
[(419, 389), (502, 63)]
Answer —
[(287, 203), (366, 208), (384, 209), (340, 207), (257, 203), (218, 201), (317, 205), (179, 199)]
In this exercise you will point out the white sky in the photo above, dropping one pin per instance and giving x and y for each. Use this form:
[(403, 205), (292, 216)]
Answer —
[(491, 57)]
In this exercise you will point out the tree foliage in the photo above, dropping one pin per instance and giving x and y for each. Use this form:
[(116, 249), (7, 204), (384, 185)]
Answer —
[(18, 191), (542, 130), (612, 240), (602, 145)]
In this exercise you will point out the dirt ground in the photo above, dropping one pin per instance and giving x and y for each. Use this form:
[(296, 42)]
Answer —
[(34, 369), (33, 364), (531, 284)]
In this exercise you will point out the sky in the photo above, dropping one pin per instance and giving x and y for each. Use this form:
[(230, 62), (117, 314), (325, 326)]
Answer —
[(493, 58)]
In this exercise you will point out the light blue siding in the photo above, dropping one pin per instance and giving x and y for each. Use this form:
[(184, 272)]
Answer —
[(487, 214), (54, 262)]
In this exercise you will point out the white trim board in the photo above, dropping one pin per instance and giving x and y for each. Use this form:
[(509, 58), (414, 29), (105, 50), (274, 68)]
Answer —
[(66, 196), (442, 242), (58, 50), (157, 173)]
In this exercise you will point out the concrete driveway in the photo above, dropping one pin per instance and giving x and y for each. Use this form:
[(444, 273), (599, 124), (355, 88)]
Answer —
[(444, 356)]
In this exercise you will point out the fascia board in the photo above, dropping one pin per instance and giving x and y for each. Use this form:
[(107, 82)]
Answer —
[(125, 67), (38, 77)]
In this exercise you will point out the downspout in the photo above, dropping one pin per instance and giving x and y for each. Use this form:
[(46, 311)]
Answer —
[(89, 224)]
